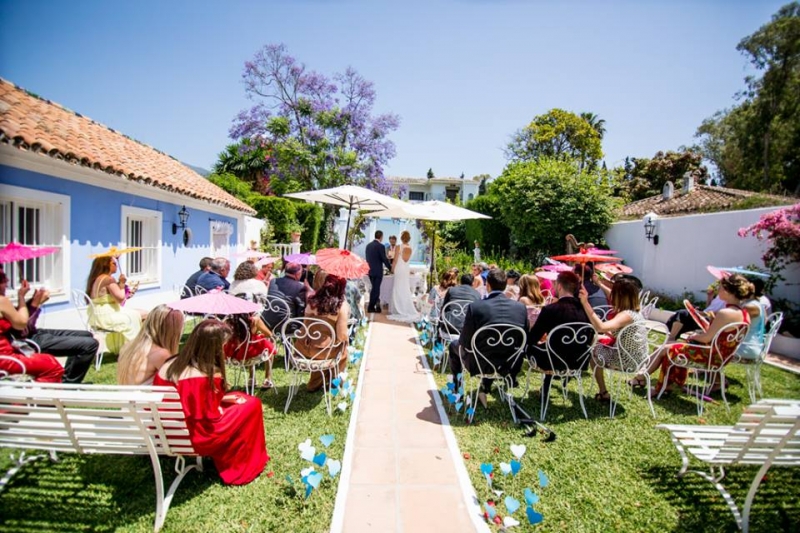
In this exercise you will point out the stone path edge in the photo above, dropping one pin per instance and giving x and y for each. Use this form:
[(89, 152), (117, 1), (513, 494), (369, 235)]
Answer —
[(340, 504), (467, 491)]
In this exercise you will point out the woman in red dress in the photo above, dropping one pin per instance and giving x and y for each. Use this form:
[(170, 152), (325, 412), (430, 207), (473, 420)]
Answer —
[(42, 367), (250, 338), (228, 427)]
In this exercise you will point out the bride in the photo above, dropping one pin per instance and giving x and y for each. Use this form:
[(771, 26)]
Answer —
[(401, 306)]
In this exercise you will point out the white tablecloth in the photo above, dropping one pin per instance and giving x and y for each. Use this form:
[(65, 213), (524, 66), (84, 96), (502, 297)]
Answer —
[(418, 286)]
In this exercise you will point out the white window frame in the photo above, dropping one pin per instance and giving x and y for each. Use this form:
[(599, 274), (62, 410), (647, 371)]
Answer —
[(54, 231), (220, 227), (151, 235)]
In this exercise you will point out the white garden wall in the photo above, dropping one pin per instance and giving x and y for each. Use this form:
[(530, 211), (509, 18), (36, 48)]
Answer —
[(687, 244)]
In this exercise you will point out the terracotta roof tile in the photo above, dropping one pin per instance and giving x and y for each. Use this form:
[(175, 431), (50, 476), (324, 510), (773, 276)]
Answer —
[(30, 122), (701, 199)]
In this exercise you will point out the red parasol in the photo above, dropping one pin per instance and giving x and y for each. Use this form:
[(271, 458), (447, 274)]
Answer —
[(15, 251), (614, 268), (698, 317), (342, 263), (216, 303), (584, 258)]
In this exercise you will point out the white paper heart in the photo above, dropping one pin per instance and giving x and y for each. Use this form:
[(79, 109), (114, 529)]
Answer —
[(505, 468), (303, 445), (308, 453), (510, 522), (306, 471), (342, 406), (518, 450), (334, 467)]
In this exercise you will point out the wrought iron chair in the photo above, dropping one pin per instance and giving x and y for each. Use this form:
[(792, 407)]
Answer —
[(602, 311), (276, 311), (647, 304), (506, 337), (721, 351), (635, 347), (305, 330), (248, 366), (450, 323), (22, 375), (752, 367), (575, 338), (85, 309)]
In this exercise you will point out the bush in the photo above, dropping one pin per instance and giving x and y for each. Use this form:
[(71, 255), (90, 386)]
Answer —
[(309, 216), (492, 234), (279, 213)]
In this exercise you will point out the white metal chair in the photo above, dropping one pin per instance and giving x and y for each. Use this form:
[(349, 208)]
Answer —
[(721, 351), (574, 338), (451, 321), (752, 367), (275, 313), (602, 311), (309, 331), (512, 340), (647, 304), (85, 308), (635, 347), (247, 366)]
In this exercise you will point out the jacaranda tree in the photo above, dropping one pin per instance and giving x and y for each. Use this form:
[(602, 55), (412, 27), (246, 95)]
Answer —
[(314, 132)]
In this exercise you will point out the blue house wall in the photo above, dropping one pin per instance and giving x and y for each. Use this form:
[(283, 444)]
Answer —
[(95, 225)]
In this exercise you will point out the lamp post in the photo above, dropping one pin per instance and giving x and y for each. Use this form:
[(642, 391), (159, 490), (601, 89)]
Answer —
[(183, 215), (650, 227)]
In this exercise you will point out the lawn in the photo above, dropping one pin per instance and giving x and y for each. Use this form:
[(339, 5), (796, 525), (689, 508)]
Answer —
[(619, 475), (117, 493)]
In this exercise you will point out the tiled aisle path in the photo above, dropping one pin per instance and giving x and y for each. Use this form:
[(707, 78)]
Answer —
[(403, 477)]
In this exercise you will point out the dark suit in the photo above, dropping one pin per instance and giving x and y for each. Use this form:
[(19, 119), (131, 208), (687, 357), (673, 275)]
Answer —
[(495, 309), (565, 310), (191, 283), (295, 293), (376, 259), (458, 293)]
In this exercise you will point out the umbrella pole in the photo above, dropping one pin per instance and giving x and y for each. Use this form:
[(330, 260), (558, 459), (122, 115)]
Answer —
[(433, 255), (347, 228)]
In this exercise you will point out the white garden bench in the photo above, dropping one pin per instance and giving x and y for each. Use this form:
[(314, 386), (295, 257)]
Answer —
[(97, 419), (767, 434)]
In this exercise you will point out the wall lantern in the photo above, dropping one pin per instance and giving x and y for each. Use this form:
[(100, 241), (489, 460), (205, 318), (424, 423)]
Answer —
[(650, 227), (183, 214)]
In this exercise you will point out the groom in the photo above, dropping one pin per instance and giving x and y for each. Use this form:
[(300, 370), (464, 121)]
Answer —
[(376, 258)]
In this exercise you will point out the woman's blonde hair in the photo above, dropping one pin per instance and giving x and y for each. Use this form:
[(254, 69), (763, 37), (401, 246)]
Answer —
[(319, 280), (203, 351), (738, 285), (405, 237), (163, 327), (529, 288)]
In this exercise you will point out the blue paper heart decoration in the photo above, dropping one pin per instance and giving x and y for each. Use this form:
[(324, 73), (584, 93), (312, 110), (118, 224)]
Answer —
[(543, 481), (334, 391), (451, 386), (335, 382), (531, 497), (533, 517), (512, 504), (459, 405), (471, 411), (319, 459), (515, 467), (353, 396), (487, 468), (327, 440), (490, 510)]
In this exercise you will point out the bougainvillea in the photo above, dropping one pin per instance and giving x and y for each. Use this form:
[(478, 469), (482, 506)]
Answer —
[(781, 229)]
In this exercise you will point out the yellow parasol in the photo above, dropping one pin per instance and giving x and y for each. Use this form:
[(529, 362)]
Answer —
[(116, 252)]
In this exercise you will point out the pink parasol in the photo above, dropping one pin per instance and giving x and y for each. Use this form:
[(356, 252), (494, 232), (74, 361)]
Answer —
[(613, 269), (266, 261), (558, 268), (215, 303), (251, 254), (600, 251), (301, 259), (546, 274), (15, 251), (585, 257), (342, 263)]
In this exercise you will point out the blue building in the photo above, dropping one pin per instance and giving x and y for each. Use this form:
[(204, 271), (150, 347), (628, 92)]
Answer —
[(69, 182)]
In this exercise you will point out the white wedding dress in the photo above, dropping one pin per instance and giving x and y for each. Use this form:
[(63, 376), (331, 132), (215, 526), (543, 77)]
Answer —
[(401, 307)]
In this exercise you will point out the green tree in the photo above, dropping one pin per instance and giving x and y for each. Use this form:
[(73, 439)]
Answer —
[(648, 176), (756, 144), (430, 174), (599, 124), (484, 180), (544, 200), (557, 134)]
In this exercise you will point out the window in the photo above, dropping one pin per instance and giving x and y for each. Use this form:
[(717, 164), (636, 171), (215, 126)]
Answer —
[(36, 218), (451, 193), (416, 196), (220, 237), (141, 228)]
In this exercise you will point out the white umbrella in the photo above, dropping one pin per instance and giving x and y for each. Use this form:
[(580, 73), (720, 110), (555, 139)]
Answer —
[(351, 197), (430, 210)]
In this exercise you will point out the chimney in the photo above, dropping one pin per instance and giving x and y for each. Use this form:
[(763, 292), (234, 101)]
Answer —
[(668, 190), (688, 182)]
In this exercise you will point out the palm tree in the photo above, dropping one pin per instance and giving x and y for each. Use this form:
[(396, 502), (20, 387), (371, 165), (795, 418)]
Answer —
[(599, 124)]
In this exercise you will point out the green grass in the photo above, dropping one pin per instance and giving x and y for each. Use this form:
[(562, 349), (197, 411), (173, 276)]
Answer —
[(117, 493), (619, 475)]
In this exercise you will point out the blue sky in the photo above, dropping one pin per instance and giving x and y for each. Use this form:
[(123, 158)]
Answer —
[(462, 75)]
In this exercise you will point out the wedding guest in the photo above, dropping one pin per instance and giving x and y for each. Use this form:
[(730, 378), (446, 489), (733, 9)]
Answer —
[(328, 304), (613, 351), (107, 297), (157, 341), (512, 289), (41, 367), (245, 281), (391, 248), (753, 343), (191, 283), (226, 426), (463, 292), (597, 297), (438, 293), (478, 280), (215, 277), (531, 297), (266, 264), (250, 337), (293, 289)]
